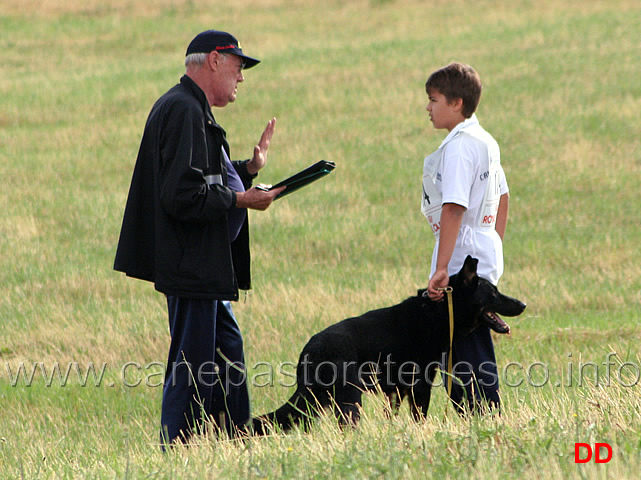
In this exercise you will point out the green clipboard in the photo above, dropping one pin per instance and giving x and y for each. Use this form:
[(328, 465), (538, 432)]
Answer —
[(301, 179)]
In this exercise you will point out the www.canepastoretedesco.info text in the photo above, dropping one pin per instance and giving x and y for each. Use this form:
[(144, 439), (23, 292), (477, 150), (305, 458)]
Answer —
[(610, 370)]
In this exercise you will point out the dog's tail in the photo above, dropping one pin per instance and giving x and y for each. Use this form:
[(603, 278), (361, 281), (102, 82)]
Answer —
[(299, 409)]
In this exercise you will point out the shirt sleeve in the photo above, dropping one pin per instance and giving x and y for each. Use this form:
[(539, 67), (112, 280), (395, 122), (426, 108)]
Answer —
[(503, 181), (460, 162)]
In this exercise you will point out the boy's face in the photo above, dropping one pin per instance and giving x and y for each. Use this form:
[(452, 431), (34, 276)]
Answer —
[(444, 114)]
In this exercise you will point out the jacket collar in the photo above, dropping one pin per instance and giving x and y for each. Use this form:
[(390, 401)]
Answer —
[(199, 95)]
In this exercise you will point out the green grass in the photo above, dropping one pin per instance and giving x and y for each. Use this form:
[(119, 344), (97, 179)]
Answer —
[(345, 81)]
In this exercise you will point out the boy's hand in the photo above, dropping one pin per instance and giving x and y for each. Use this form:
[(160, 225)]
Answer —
[(440, 279)]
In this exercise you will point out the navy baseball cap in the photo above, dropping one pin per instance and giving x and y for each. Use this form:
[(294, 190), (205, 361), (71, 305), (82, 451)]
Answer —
[(222, 42)]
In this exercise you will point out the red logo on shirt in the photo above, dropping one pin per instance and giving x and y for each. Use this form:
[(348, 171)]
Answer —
[(435, 226), (489, 219)]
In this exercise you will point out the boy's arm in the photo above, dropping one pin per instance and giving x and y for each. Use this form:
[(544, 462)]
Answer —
[(451, 218), (501, 216)]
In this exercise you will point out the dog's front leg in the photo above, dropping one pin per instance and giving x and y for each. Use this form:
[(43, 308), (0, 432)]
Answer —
[(420, 400), (422, 393), (394, 400)]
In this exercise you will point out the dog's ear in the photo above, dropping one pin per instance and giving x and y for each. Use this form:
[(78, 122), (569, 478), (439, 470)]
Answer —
[(468, 272)]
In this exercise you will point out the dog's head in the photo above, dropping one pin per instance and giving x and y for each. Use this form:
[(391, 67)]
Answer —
[(478, 302)]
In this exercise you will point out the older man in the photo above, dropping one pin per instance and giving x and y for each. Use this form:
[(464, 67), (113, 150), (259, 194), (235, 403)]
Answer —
[(185, 228)]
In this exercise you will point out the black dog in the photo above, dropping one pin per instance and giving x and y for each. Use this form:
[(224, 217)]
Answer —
[(396, 349)]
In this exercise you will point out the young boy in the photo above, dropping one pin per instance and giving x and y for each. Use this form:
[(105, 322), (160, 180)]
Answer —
[(465, 200)]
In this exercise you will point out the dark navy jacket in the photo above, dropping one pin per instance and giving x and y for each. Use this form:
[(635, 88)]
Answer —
[(174, 231)]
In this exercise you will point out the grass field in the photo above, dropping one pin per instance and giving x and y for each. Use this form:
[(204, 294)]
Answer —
[(345, 79)]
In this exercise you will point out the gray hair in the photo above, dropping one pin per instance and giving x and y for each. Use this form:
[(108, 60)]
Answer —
[(198, 59), (195, 59)]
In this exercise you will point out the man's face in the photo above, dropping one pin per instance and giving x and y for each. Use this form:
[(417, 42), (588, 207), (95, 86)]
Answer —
[(226, 79)]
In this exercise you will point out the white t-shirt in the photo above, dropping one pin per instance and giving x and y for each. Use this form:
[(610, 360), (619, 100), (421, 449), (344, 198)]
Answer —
[(466, 170)]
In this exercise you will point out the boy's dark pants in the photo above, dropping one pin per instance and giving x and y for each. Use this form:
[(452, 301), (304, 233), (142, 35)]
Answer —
[(206, 375), (474, 364)]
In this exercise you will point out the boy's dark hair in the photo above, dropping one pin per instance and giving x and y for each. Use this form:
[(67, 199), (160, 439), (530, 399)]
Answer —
[(457, 80)]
